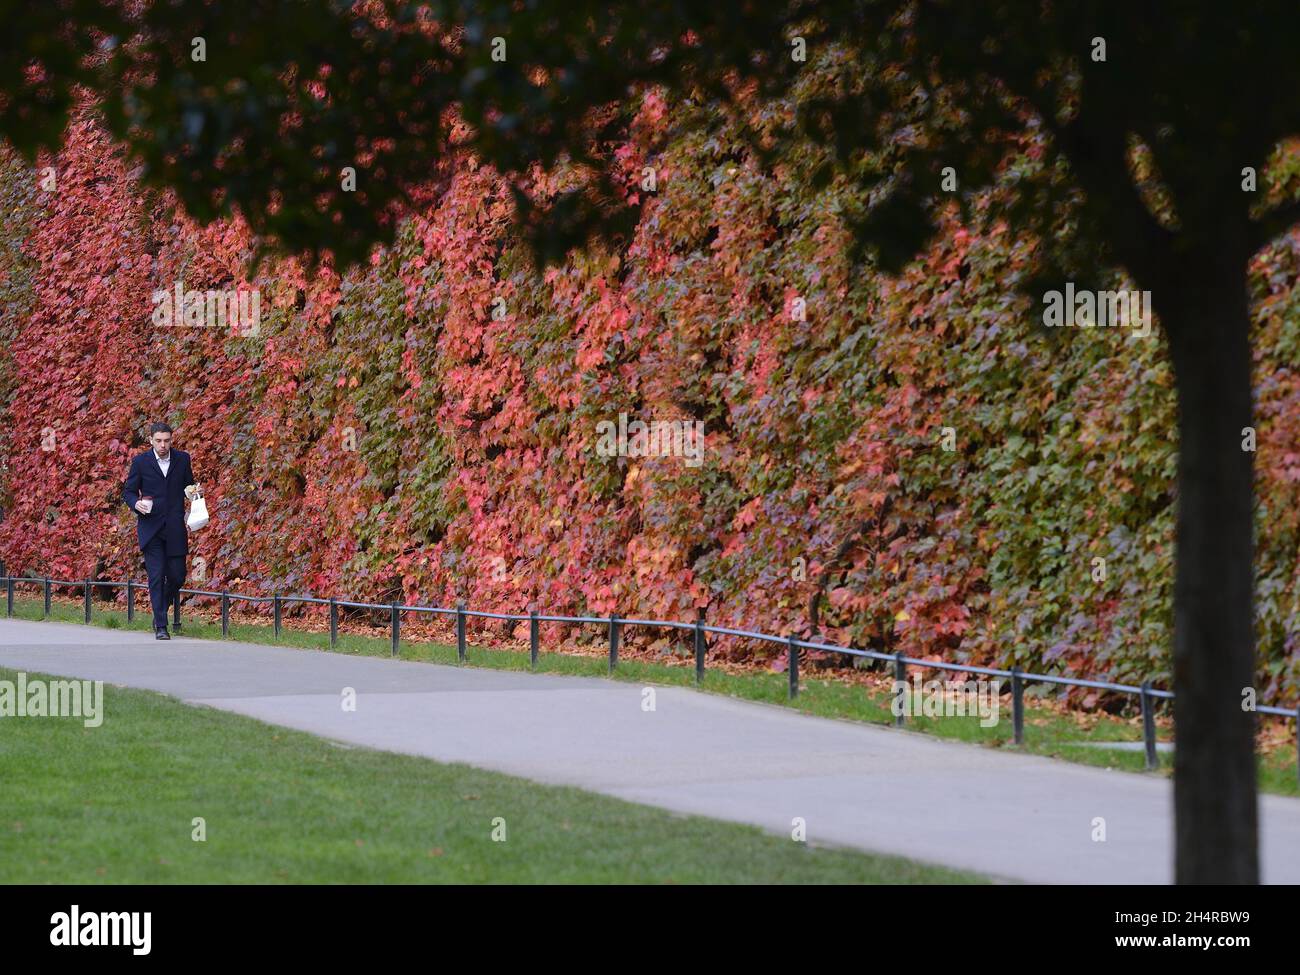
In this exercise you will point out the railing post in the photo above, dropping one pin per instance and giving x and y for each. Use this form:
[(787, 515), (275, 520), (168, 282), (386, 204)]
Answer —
[(275, 614), (1149, 724), (334, 623), (225, 614), (176, 611), (532, 638), (460, 631), (46, 610), (792, 666), (613, 641), (130, 599), (397, 626), (9, 595), (1017, 705), (900, 676), (86, 597), (700, 647)]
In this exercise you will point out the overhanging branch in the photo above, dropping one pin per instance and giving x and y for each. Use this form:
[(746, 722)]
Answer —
[(1273, 224), (1096, 151)]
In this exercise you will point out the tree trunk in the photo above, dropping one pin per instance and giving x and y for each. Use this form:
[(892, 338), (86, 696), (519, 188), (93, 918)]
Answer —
[(1216, 828)]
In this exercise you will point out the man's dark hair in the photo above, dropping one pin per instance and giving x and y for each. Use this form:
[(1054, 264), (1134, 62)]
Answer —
[(159, 427)]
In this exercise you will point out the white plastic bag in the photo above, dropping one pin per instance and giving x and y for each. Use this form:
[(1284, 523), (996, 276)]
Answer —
[(198, 514)]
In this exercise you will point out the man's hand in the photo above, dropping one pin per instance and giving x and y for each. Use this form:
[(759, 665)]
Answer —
[(191, 491), (142, 511)]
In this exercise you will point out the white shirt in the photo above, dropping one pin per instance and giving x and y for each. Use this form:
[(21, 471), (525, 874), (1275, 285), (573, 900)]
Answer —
[(163, 462)]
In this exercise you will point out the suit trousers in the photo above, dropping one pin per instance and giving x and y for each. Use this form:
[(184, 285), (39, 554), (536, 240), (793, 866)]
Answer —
[(166, 576)]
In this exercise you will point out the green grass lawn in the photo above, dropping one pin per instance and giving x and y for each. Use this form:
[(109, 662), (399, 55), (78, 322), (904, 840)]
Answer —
[(117, 804), (1047, 731)]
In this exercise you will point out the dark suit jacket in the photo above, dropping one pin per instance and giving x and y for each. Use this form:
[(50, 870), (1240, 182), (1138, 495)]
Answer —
[(168, 493)]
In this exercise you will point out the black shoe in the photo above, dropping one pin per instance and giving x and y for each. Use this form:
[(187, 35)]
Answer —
[(162, 634)]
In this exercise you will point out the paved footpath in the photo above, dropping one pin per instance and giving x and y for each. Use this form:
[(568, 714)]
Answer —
[(1012, 816)]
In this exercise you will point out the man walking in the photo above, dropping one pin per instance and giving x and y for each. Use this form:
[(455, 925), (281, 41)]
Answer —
[(156, 488)]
